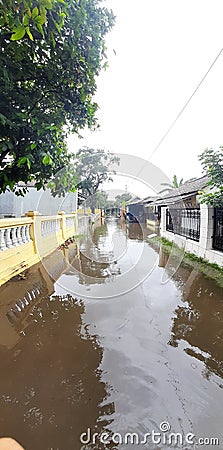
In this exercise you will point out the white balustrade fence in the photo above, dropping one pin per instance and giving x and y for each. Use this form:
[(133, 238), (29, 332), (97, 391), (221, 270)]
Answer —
[(15, 233), (69, 222), (50, 226), (14, 236)]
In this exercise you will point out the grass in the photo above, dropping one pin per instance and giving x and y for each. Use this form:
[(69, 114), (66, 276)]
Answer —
[(208, 269)]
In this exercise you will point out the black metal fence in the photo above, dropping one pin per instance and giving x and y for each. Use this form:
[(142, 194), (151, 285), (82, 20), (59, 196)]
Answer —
[(218, 229), (185, 222)]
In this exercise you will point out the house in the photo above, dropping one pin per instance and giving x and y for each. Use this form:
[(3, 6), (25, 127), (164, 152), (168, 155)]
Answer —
[(135, 210), (152, 212), (196, 227)]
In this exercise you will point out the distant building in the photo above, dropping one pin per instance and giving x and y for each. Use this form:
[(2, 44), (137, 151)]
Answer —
[(12, 205), (196, 227), (135, 211)]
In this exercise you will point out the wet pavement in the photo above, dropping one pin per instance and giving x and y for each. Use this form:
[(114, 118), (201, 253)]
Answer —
[(111, 336)]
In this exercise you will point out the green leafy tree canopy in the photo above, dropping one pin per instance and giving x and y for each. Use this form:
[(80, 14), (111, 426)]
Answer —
[(93, 169), (51, 54), (121, 199), (174, 185), (100, 200), (212, 163)]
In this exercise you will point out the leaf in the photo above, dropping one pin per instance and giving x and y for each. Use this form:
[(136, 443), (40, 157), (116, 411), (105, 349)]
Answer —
[(18, 34), (3, 119), (2, 21), (48, 4), (35, 12), (24, 160), (25, 20), (21, 161), (40, 28), (3, 146), (29, 13), (28, 162), (33, 146), (47, 160), (51, 185), (41, 19), (29, 33), (38, 185)]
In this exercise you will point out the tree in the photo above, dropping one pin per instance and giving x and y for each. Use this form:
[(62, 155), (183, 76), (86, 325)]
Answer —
[(51, 54), (212, 162), (100, 200), (93, 167), (175, 184), (121, 199)]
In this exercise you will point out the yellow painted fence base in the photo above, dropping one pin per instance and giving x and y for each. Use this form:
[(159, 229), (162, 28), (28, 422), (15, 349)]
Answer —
[(26, 241)]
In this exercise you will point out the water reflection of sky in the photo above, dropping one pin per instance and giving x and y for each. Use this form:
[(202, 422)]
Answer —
[(124, 363)]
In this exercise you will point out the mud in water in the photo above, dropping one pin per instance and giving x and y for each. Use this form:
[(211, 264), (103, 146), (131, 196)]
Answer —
[(110, 336)]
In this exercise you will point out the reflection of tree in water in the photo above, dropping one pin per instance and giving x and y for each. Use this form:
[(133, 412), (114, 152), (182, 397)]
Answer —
[(99, 232), (92, 272), (91, 264), (200, 321), (50, 388)]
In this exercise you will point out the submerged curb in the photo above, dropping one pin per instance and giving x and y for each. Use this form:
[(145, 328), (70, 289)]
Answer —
[(212, 271)]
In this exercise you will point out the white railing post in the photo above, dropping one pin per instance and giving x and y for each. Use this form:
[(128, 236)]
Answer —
[(8, 238), (2, 239), (14, 237), (23, 234), (27, 233), (19, 236)]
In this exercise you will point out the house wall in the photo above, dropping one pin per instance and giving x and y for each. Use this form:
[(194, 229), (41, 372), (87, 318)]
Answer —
[(137, 210), (42, 201), (203, 248)]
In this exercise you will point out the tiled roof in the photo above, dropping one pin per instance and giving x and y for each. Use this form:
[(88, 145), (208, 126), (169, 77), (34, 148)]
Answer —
[(134, 201), (187, 189)]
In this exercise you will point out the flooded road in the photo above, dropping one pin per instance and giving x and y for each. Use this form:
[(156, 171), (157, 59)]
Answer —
[(104, 338)]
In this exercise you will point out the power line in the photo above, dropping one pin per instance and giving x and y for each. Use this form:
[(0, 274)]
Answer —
[(184, 107)]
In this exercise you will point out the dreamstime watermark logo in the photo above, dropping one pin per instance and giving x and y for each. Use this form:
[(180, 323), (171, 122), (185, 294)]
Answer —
[(162, 437), (137, 267)]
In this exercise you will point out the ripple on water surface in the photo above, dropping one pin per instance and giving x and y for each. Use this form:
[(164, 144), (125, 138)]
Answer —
[(103, 343)]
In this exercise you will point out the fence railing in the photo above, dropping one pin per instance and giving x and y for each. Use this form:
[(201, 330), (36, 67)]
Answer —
[(25, 241), (218, 229), (14, 232), (185, 222), (50, 226)]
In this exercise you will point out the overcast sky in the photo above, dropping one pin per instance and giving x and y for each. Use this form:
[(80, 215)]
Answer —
[(162, 50)]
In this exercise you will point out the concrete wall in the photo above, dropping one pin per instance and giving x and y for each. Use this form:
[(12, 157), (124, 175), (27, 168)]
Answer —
[(203, 248), (42, 201)]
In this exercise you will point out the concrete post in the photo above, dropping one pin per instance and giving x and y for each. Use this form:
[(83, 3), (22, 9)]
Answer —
[(163, 221), (210, 228), (207, 224), (35, 229), (75, 222), (63, 223)]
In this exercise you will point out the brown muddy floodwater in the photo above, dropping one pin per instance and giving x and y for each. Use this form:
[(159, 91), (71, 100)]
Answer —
[(111, 337)]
